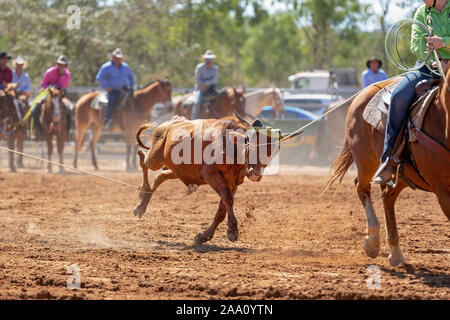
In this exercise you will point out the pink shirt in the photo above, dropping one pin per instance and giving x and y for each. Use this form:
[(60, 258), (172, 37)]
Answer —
[(52, 77)]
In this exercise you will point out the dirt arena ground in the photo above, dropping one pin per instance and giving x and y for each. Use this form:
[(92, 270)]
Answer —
[(293, 244)]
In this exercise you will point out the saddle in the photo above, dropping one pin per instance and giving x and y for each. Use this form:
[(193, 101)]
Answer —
[(376, 114), (100, 102), (377, 109), (207, 101)]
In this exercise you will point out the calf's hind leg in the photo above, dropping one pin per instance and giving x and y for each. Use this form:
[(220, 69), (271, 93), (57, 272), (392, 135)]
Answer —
[(145, 193)]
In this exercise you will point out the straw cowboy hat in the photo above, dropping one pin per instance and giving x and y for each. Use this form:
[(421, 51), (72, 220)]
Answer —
[(20, 61), (117, 53), (63, 60), (209, 55), (380, 63)]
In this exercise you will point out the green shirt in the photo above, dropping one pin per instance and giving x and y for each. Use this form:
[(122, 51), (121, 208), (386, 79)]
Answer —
[(441, 24)]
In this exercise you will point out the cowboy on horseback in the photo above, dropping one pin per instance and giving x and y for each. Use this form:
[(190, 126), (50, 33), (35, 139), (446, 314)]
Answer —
[(115, 76), (57, 76), (206, 77), (6, 74), (22, 78), (403, 96)]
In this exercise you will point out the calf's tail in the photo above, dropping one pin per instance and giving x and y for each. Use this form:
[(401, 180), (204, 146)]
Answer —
[(144, 127)]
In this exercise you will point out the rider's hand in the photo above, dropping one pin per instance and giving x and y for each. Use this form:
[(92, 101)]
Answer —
[(434, 65), (435, 43), (202, 87)]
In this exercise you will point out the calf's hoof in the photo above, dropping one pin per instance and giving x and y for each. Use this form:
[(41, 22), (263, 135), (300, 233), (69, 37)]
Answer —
[(233, 234), (201, 238), (139, 211)]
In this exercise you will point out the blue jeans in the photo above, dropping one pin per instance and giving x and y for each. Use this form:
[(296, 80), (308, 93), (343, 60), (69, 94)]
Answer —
[(196, 109), (113, 99), (401, 99)]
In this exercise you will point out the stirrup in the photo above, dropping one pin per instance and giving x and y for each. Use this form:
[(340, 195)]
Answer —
[(394, 163)]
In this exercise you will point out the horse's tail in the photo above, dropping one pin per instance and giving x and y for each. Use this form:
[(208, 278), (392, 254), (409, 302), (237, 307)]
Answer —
[(144, 127), (339, 167)]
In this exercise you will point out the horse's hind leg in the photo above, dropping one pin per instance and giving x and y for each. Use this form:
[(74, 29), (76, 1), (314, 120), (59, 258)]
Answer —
[(96, 134), (20, 143), (372, 241), (61, 139), (11, 143), (389, 197)]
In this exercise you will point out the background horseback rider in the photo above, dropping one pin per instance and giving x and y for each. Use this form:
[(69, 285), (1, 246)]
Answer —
[(404, 94), (6, 74), (115, 76), (206, 77), (57, 77), (22, 78), (374, 73)]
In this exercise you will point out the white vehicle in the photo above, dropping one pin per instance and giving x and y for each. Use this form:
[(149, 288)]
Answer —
[(315, 103), (317, 80)]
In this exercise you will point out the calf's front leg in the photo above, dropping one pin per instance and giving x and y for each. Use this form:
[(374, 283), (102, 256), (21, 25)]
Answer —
[(216, 180)]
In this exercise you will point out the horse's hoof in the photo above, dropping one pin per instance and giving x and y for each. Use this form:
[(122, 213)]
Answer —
[(396, 257), (371, 247), (233, 235)]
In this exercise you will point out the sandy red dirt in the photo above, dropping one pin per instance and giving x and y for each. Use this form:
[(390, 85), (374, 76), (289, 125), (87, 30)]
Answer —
[(292, 245)]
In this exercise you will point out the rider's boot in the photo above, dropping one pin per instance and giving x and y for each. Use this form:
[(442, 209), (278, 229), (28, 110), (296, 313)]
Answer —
[(109, 124), (384, 173)]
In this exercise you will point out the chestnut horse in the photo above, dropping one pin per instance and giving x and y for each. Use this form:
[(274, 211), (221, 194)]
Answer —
[(131, 119), (54, 122), (11, 126), (363, 145), (221, 106)]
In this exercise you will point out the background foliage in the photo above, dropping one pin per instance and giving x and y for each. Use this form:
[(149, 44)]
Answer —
[(162, 38)]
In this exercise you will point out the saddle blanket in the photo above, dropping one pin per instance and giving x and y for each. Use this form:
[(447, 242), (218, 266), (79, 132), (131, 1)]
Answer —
[(377, 109)]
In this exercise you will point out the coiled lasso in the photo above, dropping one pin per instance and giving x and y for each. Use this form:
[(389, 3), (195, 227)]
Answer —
[(392, 50)]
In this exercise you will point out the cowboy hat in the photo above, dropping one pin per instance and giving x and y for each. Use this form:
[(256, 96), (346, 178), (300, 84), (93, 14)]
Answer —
[(117, 53), (4, 55), (20, 61), (209, 55), (380, 63), (63, 60)]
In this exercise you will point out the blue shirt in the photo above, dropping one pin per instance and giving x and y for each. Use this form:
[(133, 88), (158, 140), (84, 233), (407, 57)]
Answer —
[(23, 80), (203, 75), (369, 77), (112, 77)]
